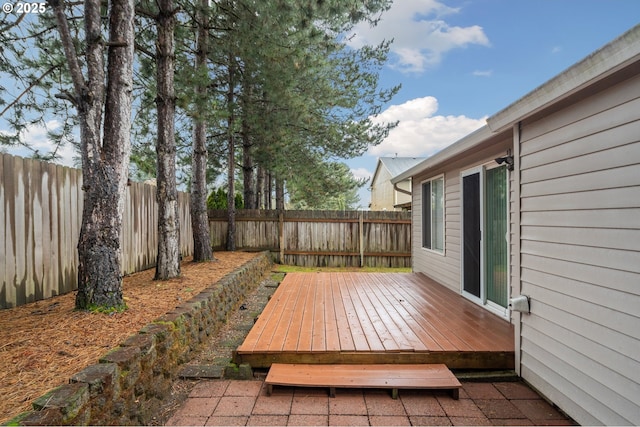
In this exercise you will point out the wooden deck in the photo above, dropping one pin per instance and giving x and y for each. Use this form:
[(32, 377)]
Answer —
[(361, 318)]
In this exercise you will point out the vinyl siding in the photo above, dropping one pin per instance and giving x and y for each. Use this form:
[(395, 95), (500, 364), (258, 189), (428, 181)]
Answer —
[(401, 198), (580, 256), (445, 268)]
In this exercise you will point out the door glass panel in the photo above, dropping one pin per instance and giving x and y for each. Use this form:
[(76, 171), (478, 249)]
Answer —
[(496, 261), (471, 234)]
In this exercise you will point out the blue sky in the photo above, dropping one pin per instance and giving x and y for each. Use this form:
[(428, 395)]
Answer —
[(460, 61)]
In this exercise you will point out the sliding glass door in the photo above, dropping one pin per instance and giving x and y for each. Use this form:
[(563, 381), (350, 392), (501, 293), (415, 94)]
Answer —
[(496, 239), (471, 235), (484, 237)]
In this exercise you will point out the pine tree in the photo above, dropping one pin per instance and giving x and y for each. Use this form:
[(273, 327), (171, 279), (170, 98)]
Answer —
[(202, 250), (105, 151), (306, 98), (168, 263)]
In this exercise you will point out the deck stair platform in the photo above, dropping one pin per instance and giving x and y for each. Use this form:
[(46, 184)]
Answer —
[(386, 376)]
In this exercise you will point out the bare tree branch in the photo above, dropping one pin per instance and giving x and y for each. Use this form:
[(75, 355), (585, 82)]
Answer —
[(67, 97), (69, 49)]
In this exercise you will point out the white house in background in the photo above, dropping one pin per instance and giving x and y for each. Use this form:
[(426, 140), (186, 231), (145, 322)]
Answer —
[(384, 195), (555, 218)]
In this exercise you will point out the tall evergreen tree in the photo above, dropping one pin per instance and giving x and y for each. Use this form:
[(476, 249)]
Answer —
[(303, 90), (105, 150), (168, 263), (202, 250)]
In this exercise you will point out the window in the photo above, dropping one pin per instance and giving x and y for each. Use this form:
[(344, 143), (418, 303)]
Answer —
[(433, 214)]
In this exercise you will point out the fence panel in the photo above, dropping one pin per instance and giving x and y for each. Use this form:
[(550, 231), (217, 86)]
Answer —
[(320, 238), (40, 219)]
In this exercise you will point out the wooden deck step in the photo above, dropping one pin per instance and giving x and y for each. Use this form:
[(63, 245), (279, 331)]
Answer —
[(394, 377)]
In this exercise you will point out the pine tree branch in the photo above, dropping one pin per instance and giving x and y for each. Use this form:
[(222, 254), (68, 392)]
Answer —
[(145, 51), (146, 13), (28, 89), (67, 97), (11, 25), (69, 49)]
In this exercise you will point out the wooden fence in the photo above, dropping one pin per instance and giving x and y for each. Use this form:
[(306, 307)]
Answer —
[(321, 238), (40, 217)]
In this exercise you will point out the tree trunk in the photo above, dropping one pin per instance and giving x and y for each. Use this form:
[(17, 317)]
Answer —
[(231, 206), (279, 193), (260, 188), (248, 170), (269, 190), (202, 250), (168, 264), (105, 163)]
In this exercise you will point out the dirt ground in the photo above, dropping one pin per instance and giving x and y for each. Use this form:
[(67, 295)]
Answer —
[(43, 344)]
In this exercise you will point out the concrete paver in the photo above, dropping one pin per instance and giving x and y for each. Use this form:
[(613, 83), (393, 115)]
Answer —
[(238, 402), (499, 409), (351, 402), (418, 404), (429, 421)]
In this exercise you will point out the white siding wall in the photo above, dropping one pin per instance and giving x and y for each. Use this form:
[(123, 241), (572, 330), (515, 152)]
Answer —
[(400, 197), (445, 268), (382, 197), (580, 256)]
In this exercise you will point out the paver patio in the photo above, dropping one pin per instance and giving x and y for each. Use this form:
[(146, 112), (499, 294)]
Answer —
[(237, 402)]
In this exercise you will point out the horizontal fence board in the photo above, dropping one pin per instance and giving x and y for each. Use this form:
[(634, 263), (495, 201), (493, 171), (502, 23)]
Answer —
[(320, 238)]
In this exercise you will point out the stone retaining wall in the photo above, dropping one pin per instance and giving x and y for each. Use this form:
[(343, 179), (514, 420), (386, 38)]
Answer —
[(128, 385)]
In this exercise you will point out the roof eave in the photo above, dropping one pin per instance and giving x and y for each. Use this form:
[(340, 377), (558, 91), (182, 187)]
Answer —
[(443, 155)]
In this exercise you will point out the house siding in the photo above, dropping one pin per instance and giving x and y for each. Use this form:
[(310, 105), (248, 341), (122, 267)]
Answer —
[(579, 241), (445, 267), (382, 197), (400, 197)]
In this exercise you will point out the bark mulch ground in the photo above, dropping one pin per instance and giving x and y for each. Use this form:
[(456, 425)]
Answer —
[(43, 344)]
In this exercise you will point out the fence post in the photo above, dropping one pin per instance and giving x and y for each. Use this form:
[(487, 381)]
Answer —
[(281, 237), (361, 232)]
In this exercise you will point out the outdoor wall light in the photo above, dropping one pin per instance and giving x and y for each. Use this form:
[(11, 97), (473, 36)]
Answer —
[(508, 160)]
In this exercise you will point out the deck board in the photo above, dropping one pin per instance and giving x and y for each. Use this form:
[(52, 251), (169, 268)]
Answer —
[(363, 376), (375, 318)]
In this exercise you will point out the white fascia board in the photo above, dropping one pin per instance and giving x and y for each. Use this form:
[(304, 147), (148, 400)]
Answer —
[(603, 62)]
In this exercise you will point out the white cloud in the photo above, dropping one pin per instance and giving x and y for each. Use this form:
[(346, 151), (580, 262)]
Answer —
[(556, 49), (483, 73), (421, 133), (35, 136), (420, 34), (360, 173)]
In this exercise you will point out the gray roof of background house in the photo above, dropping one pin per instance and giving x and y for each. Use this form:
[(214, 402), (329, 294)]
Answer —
[(397, 165)]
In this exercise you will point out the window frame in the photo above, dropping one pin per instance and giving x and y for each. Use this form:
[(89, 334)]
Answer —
[(429, 218)]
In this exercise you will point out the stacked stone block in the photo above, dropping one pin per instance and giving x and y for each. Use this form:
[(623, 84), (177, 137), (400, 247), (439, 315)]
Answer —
[(128, 384)]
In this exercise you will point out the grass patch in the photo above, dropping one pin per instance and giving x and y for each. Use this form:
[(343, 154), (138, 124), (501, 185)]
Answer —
[(102, 309), (279, 268), (277, 276)]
